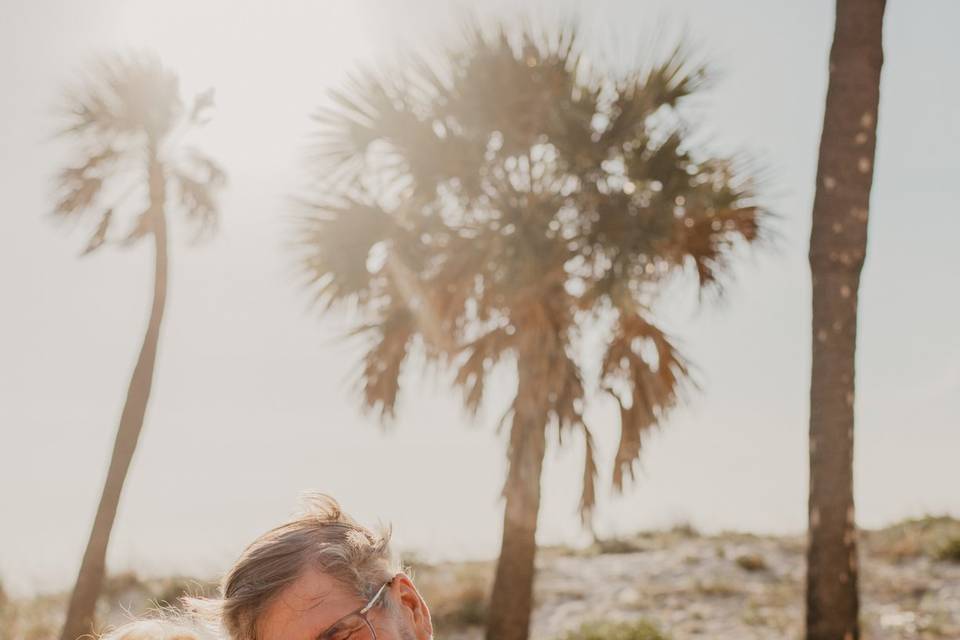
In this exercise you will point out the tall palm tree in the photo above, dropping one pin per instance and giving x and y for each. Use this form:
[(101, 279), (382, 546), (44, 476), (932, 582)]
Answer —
[(127, 121), (492, 206), (838, 244)]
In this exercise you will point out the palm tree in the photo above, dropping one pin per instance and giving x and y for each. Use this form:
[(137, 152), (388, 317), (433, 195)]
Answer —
[(127, 120), (491, 207), (838, 244)]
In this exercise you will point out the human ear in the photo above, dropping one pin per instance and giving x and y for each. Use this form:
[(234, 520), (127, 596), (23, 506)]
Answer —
[(412, 607)]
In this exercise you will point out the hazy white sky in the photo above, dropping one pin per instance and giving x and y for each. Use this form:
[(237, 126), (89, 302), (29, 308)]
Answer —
[(252, 402)]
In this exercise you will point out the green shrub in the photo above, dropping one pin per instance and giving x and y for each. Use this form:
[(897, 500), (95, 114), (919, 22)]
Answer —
[(602, 630), (950, 550)]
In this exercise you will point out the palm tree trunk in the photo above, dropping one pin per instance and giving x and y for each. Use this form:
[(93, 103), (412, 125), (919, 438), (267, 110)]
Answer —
[(838, 244), (511, 601), (83, 601)]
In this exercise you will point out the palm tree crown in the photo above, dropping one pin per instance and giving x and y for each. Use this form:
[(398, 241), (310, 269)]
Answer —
[(127, 118), (491, 205)]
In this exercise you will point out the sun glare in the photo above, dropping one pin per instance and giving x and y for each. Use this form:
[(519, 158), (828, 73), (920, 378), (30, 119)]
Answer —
[(268, 62)]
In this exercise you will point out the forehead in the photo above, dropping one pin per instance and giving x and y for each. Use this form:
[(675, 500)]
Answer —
[(305, 608)]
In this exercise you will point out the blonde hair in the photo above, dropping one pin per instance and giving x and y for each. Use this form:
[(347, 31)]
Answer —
[(160, 629), (322, 537)]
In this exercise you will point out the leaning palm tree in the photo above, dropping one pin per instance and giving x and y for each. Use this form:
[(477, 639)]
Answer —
[(838, 246), (127, 121), (493, 205)]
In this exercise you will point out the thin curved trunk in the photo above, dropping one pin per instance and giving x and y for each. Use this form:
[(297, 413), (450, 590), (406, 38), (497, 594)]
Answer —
[(511, 601), (838, 244), (83, 601)]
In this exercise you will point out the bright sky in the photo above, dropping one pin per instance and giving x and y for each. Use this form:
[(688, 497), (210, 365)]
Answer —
[(252, 401)]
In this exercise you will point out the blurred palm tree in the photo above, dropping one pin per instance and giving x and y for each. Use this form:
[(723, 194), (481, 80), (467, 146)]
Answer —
[(126, 121), (838, 246), (493, 206)]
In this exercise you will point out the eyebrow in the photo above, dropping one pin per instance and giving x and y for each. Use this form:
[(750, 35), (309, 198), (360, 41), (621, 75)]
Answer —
[(320, 633), (334, 626)]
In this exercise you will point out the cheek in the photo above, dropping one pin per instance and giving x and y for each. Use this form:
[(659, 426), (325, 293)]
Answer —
[(394, 626), (404, 627), (403, 631)]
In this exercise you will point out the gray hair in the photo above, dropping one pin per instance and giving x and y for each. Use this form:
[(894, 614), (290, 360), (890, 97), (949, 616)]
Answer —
[(324, 538)]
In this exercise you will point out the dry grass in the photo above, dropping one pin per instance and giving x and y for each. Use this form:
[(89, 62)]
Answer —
[(751, 562), (601, 630), (929, 536), (950, 550), (125, 595), (717, 588), (457, 593)]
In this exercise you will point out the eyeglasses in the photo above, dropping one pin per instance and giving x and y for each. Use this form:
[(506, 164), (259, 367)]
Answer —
[(347, 627)]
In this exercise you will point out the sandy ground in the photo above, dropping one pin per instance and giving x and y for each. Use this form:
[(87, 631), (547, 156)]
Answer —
[(737, 587)]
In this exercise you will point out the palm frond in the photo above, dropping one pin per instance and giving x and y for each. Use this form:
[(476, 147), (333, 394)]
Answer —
[(197, 184), (142, 227), (79, 195), (336, 240), (124, 96), (482, 355), (646, 383), (385, 122), (708, 242), (517, 87), (99, 236), (566, 391), (672, 79), (202, 104), (633, 100), (718, 214), (389, 345), (588, 494), (82, 184)]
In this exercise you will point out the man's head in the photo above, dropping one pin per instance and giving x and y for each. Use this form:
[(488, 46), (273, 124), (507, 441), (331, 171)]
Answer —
[(318, 571)]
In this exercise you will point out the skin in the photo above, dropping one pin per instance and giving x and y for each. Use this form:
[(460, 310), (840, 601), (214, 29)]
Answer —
[(315, 601)]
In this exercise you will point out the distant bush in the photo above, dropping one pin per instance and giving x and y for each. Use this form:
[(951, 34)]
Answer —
[(928, 536), (118, 584), (168, 592), (752, 562), (618, 545), (685, 530), (601, 630), (950, 550), (124, 596), (36, 618), (467, 609), (457, 595)]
